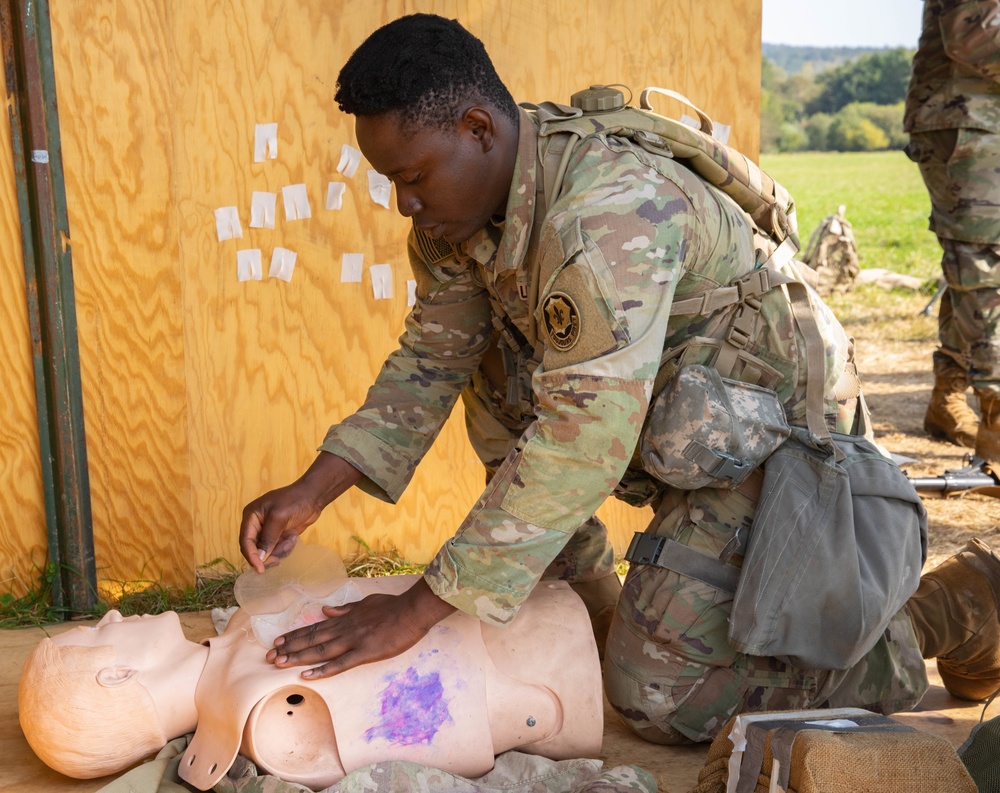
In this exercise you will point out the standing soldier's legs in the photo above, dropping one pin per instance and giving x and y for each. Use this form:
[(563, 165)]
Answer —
[(948, 416), (973, 274), (960, 168), (587, 561)]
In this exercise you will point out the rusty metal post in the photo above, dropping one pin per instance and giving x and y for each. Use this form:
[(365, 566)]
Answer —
[(41, 195)]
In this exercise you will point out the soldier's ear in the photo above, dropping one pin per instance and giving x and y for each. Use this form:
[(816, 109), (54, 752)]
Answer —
[(478, 121)]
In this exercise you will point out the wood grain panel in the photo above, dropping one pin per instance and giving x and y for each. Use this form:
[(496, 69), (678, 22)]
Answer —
[(202, 392), (117, 109), (22, 502)]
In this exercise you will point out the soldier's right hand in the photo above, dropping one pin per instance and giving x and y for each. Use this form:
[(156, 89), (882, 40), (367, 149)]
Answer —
[(273, 522)]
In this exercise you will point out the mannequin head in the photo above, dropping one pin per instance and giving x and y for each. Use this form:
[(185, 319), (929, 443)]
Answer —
[(75, 702), (120, 683)]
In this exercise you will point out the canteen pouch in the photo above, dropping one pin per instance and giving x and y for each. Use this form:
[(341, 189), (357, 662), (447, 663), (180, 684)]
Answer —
[(705, 430), (835, 550)]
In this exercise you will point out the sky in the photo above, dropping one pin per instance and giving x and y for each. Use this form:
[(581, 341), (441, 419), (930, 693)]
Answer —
[(842, 23)]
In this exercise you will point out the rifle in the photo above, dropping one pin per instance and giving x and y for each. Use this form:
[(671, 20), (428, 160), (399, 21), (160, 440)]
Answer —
[(975, 477), (942, 285)]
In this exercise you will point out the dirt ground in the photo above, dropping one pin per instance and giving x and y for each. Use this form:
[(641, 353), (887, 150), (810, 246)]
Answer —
[(896, 374)]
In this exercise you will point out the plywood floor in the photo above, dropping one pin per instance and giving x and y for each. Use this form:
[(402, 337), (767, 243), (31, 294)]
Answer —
[(676, 769)]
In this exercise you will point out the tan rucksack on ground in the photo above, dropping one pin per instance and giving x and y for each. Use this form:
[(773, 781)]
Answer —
[(833, 253)]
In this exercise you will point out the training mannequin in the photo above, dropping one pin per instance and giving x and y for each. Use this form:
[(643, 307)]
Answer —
[(95, 700)]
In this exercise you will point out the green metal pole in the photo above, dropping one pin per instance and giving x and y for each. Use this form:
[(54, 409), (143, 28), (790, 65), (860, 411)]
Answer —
[(41, 194)]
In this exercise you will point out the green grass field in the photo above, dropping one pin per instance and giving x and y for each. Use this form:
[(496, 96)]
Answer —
[(887, 204)]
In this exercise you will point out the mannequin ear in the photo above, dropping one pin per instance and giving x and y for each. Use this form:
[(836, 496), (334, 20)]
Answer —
[(113, 676)]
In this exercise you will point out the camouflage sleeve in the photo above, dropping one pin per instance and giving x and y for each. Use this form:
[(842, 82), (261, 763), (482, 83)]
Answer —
[(609, 260), (970, 30), (445, 337)]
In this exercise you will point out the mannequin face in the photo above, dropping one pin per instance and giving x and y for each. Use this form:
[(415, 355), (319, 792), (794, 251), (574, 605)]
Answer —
[(146, 643)]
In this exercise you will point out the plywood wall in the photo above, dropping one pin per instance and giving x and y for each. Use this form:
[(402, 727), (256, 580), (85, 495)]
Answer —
[(201, 392)]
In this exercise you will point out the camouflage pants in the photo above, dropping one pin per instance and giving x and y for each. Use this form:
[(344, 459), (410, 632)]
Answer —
[(670, 671), (969, 317), (961, 169), (494, 429)]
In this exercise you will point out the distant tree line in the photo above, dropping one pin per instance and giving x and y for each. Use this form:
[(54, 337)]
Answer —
[(813, 60), (854, 106)]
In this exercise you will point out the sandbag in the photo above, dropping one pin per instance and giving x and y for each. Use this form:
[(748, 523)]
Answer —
[(848, 750)]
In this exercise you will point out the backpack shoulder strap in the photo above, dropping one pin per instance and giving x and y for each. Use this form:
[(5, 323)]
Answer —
[(768, 203)]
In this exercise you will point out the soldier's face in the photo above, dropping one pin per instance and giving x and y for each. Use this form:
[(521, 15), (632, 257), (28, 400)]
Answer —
[(450, 181)]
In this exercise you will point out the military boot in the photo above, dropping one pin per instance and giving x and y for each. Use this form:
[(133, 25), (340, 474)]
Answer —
[(949, 417), (956, 616), (988, 435), (600, 597)]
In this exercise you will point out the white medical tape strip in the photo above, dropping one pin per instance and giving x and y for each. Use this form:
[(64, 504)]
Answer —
[(350, 158), (227, 223), (248, 265), (262, 209), (296, 202), (381, 281), (265, 142), (282, 264), (351, 265), (335, 195), (379, 187)]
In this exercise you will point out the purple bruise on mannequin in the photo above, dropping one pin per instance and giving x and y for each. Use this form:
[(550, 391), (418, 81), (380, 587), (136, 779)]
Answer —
[(413, 709)]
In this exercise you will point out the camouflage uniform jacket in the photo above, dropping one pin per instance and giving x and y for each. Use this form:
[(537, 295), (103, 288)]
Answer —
[(592, 278), (956, 70)]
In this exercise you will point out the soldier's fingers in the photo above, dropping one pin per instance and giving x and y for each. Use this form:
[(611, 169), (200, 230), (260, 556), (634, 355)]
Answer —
[(324, 650), (285, 545), (249, 533), (342, 663), (317, 634)]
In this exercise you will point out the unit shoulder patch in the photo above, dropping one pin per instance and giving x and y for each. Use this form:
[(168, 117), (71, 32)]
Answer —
[(563, 322)]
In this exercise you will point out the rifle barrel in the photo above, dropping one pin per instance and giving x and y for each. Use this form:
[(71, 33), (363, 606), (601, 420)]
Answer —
[(951, 484)]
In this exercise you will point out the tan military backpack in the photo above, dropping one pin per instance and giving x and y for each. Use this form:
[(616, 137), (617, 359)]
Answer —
[(603, 109)]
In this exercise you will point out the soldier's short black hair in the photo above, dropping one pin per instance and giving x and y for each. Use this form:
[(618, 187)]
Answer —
[(423, 67)]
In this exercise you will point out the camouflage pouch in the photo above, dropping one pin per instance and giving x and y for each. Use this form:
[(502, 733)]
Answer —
[(705, 430)]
